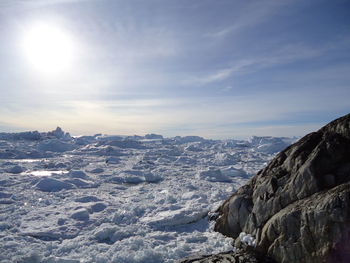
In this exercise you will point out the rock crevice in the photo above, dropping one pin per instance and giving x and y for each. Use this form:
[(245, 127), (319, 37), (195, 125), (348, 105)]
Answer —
[(298, 207)]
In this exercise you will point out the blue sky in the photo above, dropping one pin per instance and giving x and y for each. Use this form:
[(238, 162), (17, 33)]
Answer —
[(215, 68)]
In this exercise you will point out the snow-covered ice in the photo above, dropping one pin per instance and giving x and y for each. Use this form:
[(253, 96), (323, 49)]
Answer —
[(116, 198)]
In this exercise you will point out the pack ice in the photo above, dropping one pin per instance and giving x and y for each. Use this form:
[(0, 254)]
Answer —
[(96, 199)]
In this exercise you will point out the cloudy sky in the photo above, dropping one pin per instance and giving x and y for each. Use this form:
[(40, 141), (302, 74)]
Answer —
[(215, 68)]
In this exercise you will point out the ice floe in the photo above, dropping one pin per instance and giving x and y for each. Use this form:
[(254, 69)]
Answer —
[(125, 199)]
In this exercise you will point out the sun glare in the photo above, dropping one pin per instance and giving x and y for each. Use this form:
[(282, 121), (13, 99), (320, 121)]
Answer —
[(48, 48)]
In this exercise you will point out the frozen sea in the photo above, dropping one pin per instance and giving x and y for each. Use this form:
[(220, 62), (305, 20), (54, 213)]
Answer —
[(120, 199)]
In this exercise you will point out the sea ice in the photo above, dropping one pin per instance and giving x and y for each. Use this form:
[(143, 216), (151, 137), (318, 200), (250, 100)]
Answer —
[(213, 175), (16, 169), (125, 199), (53, 185), (81, 214)]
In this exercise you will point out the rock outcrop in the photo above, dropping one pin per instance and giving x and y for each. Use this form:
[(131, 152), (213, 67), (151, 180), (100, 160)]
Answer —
[(298, 207), (241, 256)]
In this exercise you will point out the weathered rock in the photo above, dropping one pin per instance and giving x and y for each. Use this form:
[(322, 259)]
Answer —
[(241, 256), (298, 207)]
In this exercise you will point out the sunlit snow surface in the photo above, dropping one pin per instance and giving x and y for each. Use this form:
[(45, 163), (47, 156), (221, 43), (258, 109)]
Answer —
[(118, 199)]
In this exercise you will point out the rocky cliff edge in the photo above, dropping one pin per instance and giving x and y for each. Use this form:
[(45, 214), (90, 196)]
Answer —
[(298, 207)]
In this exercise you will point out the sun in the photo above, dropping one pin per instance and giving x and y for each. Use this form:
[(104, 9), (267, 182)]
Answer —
[(48, 48)]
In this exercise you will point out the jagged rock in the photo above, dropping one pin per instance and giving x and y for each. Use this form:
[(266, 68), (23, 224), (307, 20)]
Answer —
[(298, 207), (241, 256)]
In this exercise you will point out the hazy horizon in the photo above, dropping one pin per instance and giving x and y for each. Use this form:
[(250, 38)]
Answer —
[(217, 69)]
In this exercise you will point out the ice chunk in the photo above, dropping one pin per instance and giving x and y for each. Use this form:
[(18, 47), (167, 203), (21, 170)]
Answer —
[(113, 160), (109, 234), (176, 217), (77, 174), (269, 144), (55, 145), (16, 169), (188, 139), (53, 185), (104, 234), (81, 214), (80, 183), (193, 148), (213, 175), (60, 260), (233, 172), (59, 134), (152, 178), (125, 144), (30, 136), (131, 179), (4, 226), (136, 177), (97, 171), (125, 217), (5, 195), (225, 159), (87, 199), (153, 136), (98, 207)]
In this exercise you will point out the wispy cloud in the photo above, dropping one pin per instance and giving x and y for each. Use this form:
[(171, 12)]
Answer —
[(283, 55), (250, 15)]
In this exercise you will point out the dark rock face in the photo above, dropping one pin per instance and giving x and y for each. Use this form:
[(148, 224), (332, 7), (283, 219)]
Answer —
[(298, 207), (241, 256)]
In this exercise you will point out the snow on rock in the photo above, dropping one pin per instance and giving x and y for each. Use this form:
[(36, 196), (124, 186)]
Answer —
[(53, 185), (247, 239)]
